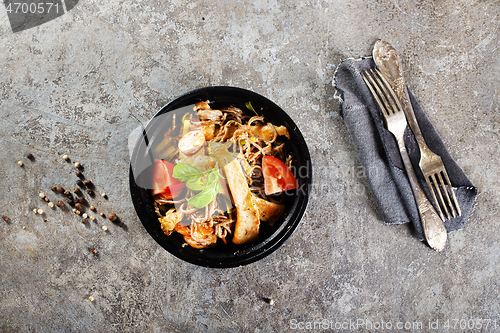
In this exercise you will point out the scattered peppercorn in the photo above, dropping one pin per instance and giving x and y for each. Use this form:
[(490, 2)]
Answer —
[(53, 188), (30, 156), (20, 163), (44, 220), (87, 182), (81, 200), (79, 182), (60, 189), (77, 190), (78, 206), (67, 192), (90, 192), (112, 217), (84, 221), (60, 204), (5, 218), (79, 174), (94, 251)]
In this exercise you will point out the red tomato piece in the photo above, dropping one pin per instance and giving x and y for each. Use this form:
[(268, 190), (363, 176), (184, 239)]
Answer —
[(277, 176), (164, 185)]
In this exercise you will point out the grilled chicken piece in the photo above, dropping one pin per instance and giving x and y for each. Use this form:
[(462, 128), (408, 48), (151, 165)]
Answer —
[(269, 212), (247, 215)]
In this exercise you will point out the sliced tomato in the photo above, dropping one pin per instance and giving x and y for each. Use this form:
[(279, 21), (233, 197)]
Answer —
[(164, 185), (277, 177)]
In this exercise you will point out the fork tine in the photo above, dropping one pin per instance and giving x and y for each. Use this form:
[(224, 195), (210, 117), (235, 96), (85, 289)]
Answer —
[(457, 206), (381, 93), (443, 186), (440, 188), (390, 91), (430, 181), (368, 80)]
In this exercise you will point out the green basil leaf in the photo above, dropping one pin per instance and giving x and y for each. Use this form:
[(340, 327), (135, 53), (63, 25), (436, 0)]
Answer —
[(206, 196), (211, 177), (185, 172), (196, 185)]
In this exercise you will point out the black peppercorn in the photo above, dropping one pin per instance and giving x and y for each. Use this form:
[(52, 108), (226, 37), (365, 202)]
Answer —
[(77, 191), (81, 200), (79, 182)]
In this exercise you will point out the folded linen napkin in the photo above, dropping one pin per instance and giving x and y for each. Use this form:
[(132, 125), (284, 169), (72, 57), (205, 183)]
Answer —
[(378, 152)]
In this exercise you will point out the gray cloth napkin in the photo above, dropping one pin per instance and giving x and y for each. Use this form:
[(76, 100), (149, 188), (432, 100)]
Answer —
[(378, 152)]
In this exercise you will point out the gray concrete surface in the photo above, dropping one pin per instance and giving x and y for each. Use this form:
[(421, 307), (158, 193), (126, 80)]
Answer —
[(75, 84)]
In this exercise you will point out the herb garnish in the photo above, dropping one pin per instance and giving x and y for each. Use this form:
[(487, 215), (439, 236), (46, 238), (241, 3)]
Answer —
[(208, 187)]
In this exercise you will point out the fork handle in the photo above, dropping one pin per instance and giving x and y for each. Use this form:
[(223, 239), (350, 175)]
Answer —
[(434, 230)]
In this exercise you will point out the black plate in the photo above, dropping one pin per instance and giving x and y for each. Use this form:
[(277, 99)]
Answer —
[(270, 238)]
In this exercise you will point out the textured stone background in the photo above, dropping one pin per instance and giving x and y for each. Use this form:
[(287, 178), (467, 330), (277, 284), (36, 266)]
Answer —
[(76, 84)]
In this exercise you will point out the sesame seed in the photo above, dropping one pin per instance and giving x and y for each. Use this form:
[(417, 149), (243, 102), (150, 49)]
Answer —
[(91, 298), (85, 215), (104, 228), (51, 204), (20, 163), (104, 195), (39, 211), (35, 210), (65, 157), (77, 165), (42, 195)]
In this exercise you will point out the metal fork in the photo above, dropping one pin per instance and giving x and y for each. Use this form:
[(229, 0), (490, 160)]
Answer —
[(395, 120), (389, 64)]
